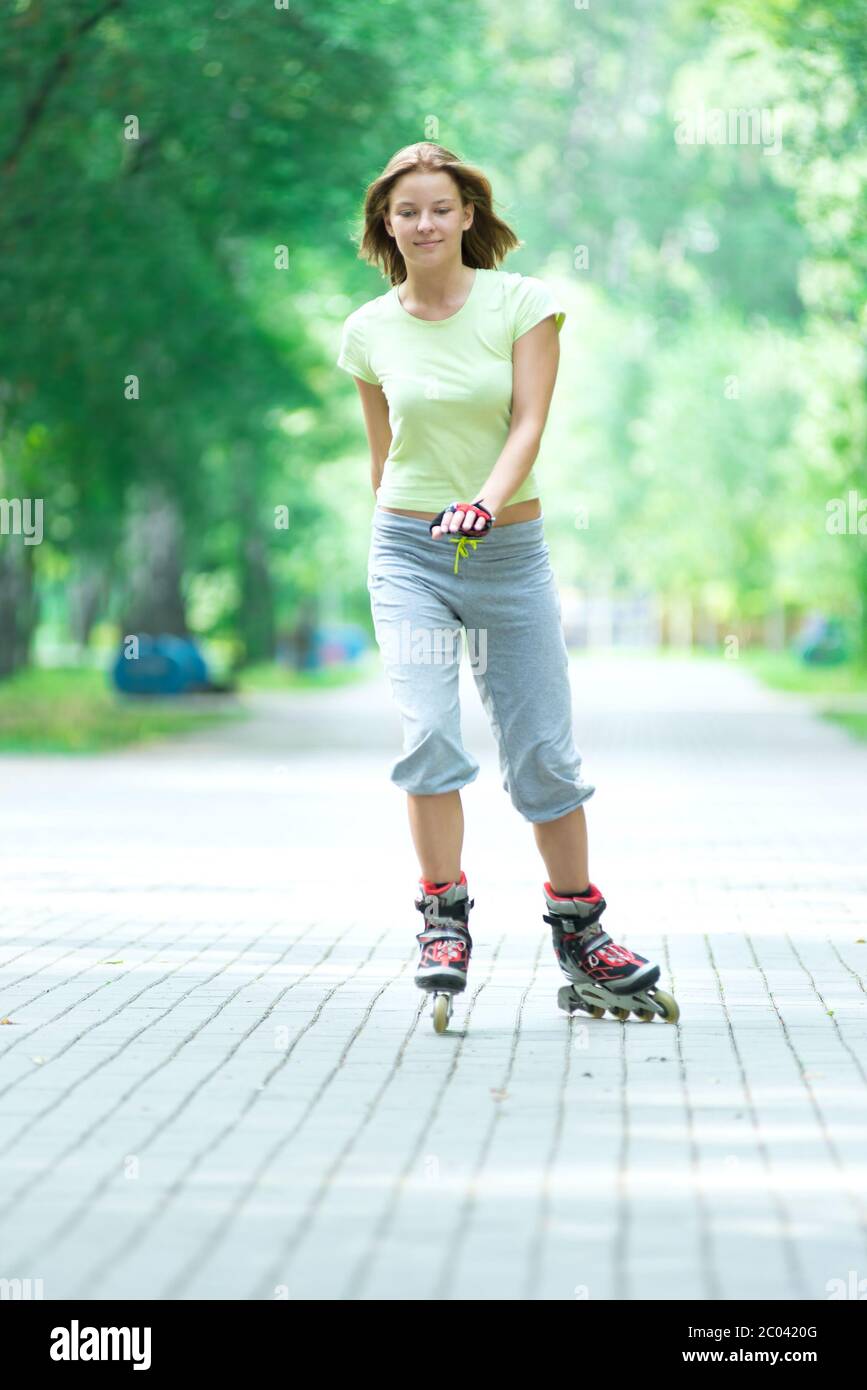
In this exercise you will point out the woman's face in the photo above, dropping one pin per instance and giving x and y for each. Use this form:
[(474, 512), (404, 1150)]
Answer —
[(426, 218)]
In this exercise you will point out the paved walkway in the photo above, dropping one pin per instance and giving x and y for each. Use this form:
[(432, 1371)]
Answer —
[(219, 1080)]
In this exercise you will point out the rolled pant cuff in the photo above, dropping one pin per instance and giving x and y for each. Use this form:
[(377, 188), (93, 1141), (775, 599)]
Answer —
[(558, 815)]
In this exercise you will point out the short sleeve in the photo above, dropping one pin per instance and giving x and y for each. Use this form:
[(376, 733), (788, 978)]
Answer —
[(353, 351), (533, 302)]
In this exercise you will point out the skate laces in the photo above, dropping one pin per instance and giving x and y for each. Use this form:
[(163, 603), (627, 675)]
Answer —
[(598, 954), (445, 947)]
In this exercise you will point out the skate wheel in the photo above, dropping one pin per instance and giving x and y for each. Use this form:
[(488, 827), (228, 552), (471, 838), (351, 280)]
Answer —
[(619, 1013), (672, 1012), (571, 1004), (646, 1015), (441, 1013)]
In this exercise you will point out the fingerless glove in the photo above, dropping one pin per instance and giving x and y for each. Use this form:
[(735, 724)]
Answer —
[(474, 508)]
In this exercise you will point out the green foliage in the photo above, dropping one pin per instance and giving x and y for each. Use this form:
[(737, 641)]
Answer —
[(181, 185), (272, 677), (75, 711)]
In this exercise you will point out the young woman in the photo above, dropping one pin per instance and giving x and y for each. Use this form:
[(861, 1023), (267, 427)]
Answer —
[(455, 366)]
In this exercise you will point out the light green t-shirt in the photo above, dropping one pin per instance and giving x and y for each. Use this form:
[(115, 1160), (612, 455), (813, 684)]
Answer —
[(448, 384)]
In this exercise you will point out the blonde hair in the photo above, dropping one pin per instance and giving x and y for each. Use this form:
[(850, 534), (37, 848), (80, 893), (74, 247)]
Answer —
[(484, 244)]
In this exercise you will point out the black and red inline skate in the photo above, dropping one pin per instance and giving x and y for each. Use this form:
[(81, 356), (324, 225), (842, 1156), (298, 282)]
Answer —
[(446, 944), (601, 974)]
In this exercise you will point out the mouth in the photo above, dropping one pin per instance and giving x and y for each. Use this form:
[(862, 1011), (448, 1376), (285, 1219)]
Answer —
[(427, 243)]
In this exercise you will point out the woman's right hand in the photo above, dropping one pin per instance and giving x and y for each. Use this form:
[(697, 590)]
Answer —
[(462, 516)]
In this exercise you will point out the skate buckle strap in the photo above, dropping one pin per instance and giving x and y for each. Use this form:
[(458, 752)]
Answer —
[(583, 933), (446, 923), (574, 918), (452, 913)]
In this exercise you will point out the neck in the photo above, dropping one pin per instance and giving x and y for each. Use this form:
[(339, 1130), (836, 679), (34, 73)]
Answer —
[(437, 289)]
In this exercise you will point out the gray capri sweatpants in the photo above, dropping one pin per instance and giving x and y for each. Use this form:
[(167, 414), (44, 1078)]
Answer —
[(500, 596)]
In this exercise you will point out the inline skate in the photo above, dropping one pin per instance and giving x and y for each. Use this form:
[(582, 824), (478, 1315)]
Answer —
[(601, 974), (446, 944)]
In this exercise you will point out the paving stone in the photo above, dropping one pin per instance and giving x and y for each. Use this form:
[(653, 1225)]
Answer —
[(221, 1082)]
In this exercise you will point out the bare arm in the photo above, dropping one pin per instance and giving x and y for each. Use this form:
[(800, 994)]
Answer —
[(535, 359), (375, 408)]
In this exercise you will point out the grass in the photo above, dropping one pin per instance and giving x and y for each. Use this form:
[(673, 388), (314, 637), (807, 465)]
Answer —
[(855, 723), (75, 710), (272, 677), (786, 671)]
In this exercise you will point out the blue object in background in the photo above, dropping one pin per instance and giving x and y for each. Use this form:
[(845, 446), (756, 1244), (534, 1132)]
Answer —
[(822, 641), (338, 643), (164, 666)]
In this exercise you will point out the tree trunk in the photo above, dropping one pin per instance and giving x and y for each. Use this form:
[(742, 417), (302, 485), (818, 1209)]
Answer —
[(256, 616), (87, 596), (18, 604), (256, 607), (304, 633), (155, 564)]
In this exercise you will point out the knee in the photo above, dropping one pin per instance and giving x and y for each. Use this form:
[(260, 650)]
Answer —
[(434, 762), (547, 783)]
